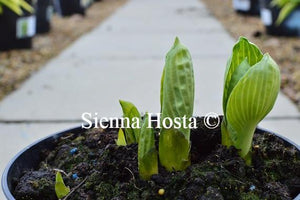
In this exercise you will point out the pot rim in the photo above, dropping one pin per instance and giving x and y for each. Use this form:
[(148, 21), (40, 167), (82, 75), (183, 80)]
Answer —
[(4, 178), (4, 185)]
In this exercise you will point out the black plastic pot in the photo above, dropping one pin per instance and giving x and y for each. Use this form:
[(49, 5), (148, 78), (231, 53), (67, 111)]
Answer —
[(16, 31), (69, 7), (44, 10), (29, 158), (250, 7), (289, 27)]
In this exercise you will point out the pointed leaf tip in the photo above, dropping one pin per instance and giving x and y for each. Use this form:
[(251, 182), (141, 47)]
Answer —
[(242, 38), (121, 141), (177, 41)]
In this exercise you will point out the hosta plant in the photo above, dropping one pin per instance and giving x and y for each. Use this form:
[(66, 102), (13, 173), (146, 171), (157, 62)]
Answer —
[(252, 83), (131, 112), (177, 100), (16, 6)]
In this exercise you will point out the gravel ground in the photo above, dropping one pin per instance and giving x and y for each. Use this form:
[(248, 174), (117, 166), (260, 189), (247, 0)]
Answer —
[(17, 65), (286, 51)]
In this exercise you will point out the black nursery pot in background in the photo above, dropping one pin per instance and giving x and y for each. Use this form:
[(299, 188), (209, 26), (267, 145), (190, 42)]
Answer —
[(43, 10), (289, 27), (70, 7), (16, 31), (250, 7)]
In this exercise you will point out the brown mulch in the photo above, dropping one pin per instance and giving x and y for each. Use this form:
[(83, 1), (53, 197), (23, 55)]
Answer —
[(17, 65), (284, 50)]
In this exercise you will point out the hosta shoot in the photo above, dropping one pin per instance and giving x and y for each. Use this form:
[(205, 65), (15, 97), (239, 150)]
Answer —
[(144, 136), (177, 100), (252, 83), (61, 189), (147, 153), (130, 112), (121, 141)]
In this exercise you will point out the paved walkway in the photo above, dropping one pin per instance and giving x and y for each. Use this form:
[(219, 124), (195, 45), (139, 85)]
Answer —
[(123, 59)]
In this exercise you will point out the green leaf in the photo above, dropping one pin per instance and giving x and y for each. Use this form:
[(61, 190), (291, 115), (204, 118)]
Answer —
[(174, 150), (177, 99), (147, 153), (285, 12), (121, 141), (286, 6), (61, 189), (279, 3), (162, 88), (236, 76), (131, 112), (13, 6), (26, 6), (242, 50), (16, 6), (250, 101)]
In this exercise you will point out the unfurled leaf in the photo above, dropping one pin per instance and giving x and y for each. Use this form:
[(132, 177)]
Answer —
[(250, 95), (243, 50), (177, 100), (147, 153), (61, 189), (132, 113), (121, 141)]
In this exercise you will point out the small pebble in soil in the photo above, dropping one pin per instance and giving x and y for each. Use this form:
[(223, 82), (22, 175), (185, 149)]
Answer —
[(161, 192), (252, 187), (74, 176), (73, 151)]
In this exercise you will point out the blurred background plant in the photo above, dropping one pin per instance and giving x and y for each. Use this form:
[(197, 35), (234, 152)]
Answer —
[(17, 65), (286, 7), (16, 6)]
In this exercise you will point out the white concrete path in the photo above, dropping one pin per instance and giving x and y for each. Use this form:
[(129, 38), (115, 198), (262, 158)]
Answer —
[(123, 59)]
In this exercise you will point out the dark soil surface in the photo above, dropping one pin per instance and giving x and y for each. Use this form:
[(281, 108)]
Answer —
[(284, 50), (107, 171)]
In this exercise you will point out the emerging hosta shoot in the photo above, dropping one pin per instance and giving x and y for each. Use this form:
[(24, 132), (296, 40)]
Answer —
[(121, 141), (144, 136), (131, 112), (252, 83), (177, 100), (147, 153), (61, 189)]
